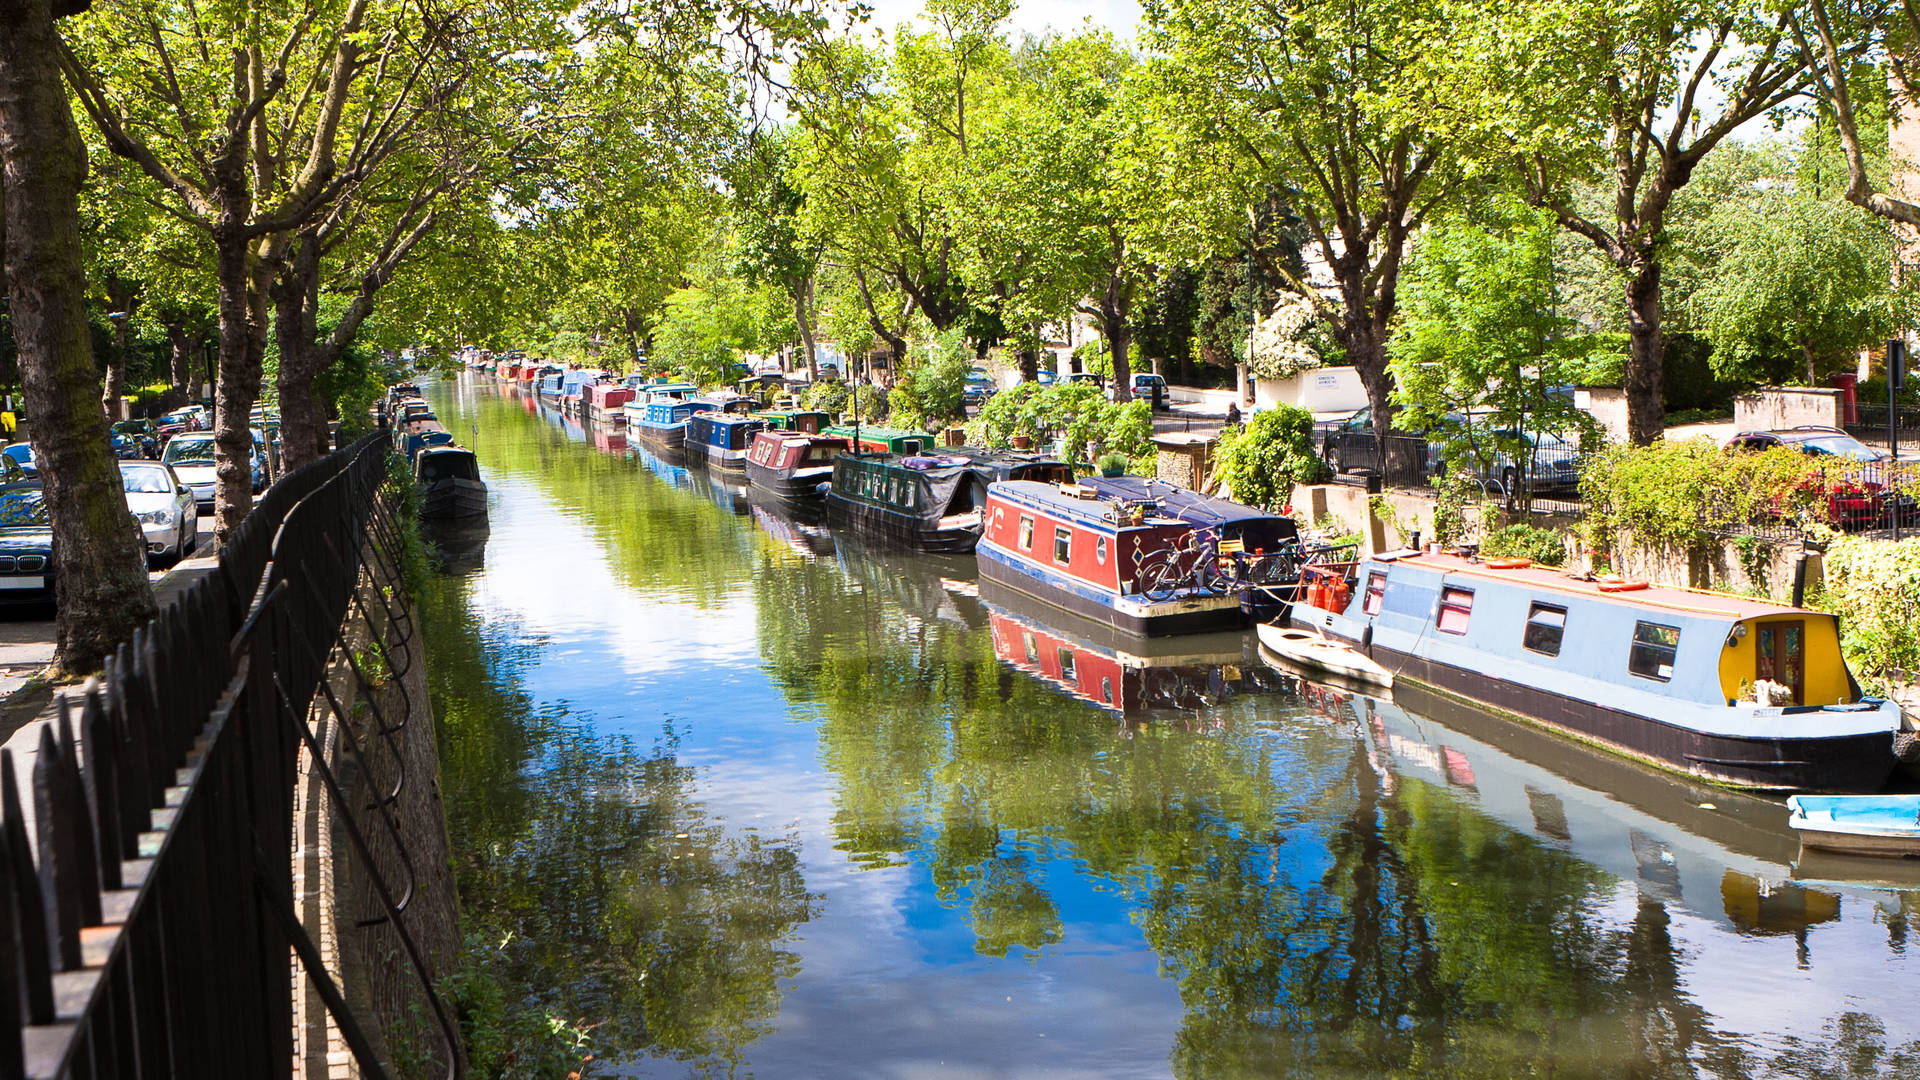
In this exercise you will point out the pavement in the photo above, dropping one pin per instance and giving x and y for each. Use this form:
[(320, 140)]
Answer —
[(26, 633)]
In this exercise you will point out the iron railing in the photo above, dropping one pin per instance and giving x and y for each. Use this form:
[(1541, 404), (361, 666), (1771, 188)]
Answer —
[(147, 922)]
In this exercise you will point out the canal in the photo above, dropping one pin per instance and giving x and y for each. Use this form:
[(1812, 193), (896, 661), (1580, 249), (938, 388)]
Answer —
[(746, 798)]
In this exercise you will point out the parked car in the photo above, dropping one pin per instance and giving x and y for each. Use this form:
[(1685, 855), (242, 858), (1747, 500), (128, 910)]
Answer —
[(1857, 500), (191, 457), (187, 418), (21, 454), (1152, 387), (1044, 377), (26, 545), (168, 513), (1350, 446), (140, 434), (1553, 463), (979, 387)]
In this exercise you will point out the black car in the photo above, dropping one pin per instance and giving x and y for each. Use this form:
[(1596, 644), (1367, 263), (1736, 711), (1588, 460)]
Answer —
[(26, 546)]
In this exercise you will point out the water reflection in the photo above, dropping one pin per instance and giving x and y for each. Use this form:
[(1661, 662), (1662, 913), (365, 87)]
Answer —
[(912, 847)]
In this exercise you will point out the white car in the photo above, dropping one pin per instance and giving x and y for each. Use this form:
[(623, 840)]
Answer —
[(164, 507), (191, 458)]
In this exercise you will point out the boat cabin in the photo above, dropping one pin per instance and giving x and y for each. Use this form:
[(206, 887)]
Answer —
[(608, 397), (667, 412), (879, 440), (809, 421), (417, 441), (723, 433), (936, 487), (445, 462), (791, 450), (668, 392)]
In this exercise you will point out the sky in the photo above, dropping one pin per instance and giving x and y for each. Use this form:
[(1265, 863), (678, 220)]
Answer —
[(1032, 16)]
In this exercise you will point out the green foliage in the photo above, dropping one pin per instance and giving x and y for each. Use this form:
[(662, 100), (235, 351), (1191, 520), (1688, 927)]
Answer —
[(1080, 416), (508, 1038), (1689, 493), (1546, 547), (1874, 587), (1453, 493), (933, 389), (1481, 346), (1263, 460), (704, 330), (1796, 277)]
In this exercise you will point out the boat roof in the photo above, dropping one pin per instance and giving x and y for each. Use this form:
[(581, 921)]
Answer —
[(1553, 579), (731, 418), (784, 435), (1174, 500), (443, 449)]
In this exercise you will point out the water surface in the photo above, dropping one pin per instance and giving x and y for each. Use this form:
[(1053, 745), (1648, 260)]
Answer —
[(759, 801)]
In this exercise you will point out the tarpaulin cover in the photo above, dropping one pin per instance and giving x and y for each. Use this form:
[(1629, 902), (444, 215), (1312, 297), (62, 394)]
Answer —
[(1193, 507)]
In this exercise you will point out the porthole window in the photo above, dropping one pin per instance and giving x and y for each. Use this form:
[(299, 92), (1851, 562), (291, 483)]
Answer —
[(1100, 550)]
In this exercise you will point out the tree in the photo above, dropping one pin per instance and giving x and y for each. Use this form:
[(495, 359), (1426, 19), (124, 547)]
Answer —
[(99, 560), (254, 120), (1261, 462), (1327, 106), (1640, 91), (1797, 275), (1482, 349), (1845, 45), (772, 246)]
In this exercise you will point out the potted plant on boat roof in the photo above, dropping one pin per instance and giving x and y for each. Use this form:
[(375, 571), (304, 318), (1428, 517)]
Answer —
[(1023, 435), (1113, 464)]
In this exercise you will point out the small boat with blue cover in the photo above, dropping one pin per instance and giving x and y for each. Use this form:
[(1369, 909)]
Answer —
[(1727, 689), (1858, 824)]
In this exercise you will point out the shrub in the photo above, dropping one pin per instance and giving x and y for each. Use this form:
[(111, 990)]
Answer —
[(1081, 417), (1688, 493), (1874, 586), (1262, 461), (1543, 546)]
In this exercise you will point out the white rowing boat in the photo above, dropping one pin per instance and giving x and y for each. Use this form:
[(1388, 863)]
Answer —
[(1311, 649)]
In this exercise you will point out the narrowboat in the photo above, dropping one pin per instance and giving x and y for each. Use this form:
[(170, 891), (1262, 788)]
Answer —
[(608, 402), (791, 466), (929, 503), (804, 420), (879, 440), (721, 439), (1124, 675), (1264, 549), (1141, 558), (1727, 689), (662, 422), (449, 481)]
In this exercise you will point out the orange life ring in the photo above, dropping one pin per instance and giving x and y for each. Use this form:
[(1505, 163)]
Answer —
[(1509, 564), (1622, 586)]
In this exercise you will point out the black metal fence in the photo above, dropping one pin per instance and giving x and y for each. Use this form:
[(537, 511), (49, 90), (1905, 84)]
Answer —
[(1870, 423), (147, 923), (1545, 482)]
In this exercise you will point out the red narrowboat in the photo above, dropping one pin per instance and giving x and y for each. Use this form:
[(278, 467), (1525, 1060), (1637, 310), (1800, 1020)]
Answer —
[(1144, 559)]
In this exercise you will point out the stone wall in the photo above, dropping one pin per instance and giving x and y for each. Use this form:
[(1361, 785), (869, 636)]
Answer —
[(379, 738), (1787, 406), (1608, 407)]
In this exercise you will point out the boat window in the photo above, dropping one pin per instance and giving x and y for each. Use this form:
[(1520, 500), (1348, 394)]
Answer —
[(1100, 550), (1456, 605), (1062, 544), (1066, 663), (1376, 593), (1654, 646), (1033, 650), (1026, 533), (1545, 625)]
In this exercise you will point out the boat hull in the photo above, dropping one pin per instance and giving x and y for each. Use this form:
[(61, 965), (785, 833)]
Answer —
[(789, 486), (1847, 843), (1311, 650), (1197, 616), (873, 523), (453, 498), (1849, 763)]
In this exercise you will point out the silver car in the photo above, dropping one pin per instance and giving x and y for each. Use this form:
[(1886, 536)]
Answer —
[(164, 507)]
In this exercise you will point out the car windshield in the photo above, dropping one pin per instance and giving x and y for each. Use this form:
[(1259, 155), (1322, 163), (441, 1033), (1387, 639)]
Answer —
[(196, 452), (146, 480), (22, 507), (1839, 446)]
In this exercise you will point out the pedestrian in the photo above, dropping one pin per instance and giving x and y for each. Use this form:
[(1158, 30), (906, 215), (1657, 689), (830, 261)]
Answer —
[(1233, 413)]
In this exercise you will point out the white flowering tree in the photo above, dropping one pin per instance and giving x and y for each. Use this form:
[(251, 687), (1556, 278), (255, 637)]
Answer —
[(1280, 346)]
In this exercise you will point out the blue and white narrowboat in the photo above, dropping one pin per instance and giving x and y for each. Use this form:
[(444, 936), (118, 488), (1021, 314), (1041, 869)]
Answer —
[(662, 423), (1144, 559), (1728, 689), (928, 502), (722, 438)]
